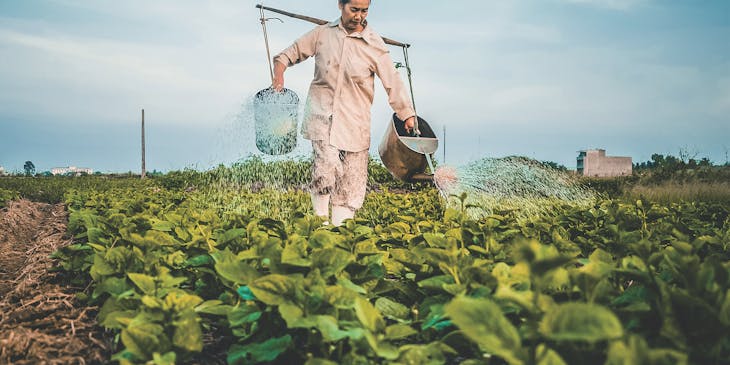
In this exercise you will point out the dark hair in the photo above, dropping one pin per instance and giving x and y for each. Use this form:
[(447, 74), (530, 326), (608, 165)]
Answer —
[(345, 2)]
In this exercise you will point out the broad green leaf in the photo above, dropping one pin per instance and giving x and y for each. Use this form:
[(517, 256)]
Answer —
[(296, 254), (245, 293), (231, 235), (635, 351), (436, 282), (407, 257), (331, 332), (346, 283), (366, 247), (581, 322), (435, 240), (331, 261), (634, 299), (547, 356), (273, 289), (512, 276), (113, 286), (667, 357), (151, 302), (600, 263), (144, 282), (399, 331), (455, 289), (399, 227), (482, 321), (200, 260), (101, 268), (214, 307), (725, 309), (181, 301), (318, 361), (369, 315), (259, 352), (96, 235), (433, 353), (436, 318), (341, 297), (557, 280), (383, 349), (163, 226), (323, 239), (293, 315), (392, 309), (166, 359), (154, 238), (117, 319), (525, 299), (188, 335), (183, 234), (541, 267), (243, 313), (232, 269), (167, 281), (143, 338)]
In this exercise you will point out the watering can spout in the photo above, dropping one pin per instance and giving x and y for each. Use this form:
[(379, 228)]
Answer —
[(404, 156)]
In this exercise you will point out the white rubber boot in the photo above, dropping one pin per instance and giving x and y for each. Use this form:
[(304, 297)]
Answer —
[(340, 214), (321, 204)]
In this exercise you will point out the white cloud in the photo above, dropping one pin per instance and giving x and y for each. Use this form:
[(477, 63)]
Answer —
[(50, 68)]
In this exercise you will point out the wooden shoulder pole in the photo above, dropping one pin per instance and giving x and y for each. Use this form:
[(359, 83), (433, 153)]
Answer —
[(320, 22)]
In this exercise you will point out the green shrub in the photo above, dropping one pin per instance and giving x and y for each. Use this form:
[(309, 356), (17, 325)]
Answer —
[(6, 196)]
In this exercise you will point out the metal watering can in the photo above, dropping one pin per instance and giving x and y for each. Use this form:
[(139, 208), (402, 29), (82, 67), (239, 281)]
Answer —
[(275, 113), (275, 119), (405, 156)]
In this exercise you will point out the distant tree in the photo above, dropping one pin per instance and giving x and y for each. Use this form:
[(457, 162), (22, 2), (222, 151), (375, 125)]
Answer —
[(29, 168), (554, 165)]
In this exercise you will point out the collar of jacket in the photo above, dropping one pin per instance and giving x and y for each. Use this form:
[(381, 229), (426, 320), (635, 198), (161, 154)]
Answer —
[(367, 34)]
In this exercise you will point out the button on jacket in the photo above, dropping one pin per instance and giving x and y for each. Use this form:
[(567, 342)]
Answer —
[(341, 94)]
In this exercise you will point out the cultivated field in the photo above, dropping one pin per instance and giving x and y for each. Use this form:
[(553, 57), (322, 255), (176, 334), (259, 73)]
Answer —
[(230, 266)]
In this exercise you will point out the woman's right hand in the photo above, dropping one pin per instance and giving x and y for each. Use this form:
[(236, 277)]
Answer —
[(278, 82)]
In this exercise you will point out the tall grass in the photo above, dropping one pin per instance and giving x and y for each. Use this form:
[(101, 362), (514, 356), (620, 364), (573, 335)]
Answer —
[(671, 191)]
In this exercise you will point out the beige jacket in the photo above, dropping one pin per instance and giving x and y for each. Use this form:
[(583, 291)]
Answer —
[(341, 94)]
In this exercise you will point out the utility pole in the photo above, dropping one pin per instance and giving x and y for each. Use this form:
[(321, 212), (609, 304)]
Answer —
[(144, 172), (444, 138)]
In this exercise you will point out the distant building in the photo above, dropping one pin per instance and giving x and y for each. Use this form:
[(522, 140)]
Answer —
[(2, 171), (71, 170), (595, 163)]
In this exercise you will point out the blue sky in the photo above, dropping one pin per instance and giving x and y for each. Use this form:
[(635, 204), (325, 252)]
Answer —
[(541, 79)]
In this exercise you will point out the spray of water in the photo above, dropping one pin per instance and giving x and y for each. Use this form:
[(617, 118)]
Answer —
[(518, 184), (264, 153)]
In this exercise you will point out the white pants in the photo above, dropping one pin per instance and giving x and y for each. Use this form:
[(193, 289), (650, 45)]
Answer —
[(340, 174)]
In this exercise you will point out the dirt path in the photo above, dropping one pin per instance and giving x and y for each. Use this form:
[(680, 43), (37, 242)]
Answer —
[(41, 322)]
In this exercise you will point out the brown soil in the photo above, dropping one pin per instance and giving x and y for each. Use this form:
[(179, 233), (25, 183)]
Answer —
[(41, 321)]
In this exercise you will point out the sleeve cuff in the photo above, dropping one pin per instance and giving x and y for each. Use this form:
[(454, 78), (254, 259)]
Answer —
[(405, 113), (283, 59)]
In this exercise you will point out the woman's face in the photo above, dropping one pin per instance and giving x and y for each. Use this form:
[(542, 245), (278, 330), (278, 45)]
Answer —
[(354, 14)]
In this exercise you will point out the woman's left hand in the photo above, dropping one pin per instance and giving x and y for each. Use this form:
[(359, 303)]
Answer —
[(410, 125)]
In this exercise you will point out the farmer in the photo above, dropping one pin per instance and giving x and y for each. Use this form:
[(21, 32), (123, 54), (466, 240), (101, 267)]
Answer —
[(347, 54)]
